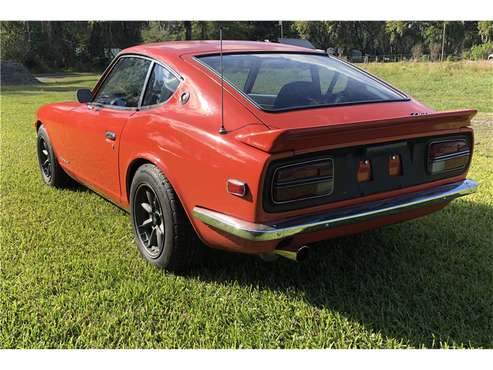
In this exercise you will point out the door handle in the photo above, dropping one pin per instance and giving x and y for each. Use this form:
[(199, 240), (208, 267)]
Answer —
[(110, 135)]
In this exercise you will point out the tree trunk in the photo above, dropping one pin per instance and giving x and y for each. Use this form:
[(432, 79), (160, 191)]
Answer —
[(203, 30), (188, 30)]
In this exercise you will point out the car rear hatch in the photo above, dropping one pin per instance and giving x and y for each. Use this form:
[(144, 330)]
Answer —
[(366, 157), (321, 128)]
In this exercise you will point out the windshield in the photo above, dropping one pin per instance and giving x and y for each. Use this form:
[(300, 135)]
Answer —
[(278, 82)]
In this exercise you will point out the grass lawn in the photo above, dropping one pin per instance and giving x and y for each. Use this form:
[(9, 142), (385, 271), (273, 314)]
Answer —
[(71, 276)]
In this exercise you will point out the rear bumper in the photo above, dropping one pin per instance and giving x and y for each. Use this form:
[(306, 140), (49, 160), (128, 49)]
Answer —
[(334, 218)]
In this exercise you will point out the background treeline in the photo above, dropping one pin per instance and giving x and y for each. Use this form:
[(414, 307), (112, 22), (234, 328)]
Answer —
[(51, 45)]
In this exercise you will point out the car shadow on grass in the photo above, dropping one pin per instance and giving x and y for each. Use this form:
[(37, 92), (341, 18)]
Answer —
[(425, 282)]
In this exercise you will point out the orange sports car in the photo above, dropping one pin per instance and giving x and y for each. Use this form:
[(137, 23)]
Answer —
[(252, 147)]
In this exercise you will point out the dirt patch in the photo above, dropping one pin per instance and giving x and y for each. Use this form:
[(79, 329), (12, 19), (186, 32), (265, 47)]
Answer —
[(14, 73)]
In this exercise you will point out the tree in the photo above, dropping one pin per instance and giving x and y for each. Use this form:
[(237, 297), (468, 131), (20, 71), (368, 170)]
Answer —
[(14, 41), (395, 30), (485, 30), (188, 30), (86, 45)]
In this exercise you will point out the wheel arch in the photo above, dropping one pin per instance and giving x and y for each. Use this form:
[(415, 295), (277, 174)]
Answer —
[(37, 125), (132, 168), (136, 163), (130, 173)]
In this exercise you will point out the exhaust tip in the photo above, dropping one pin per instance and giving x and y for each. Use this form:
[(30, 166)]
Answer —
[(302, 254), (298, 255)]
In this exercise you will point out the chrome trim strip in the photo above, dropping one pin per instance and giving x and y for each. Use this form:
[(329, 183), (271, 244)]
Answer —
[(464, 153), (146, 82), (334, 218)]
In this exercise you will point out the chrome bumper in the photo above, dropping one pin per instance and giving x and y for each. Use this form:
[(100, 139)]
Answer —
[(334, 218)]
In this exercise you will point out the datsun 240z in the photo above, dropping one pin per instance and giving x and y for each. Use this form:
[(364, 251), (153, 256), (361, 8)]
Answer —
[(252, 147)]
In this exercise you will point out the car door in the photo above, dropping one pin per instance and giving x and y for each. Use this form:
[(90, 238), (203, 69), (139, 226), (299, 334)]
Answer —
[(93, 137)]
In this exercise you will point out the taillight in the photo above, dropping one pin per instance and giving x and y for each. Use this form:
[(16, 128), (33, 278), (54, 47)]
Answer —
[(305, 180), (364, 171), (395, 166), (450, 155)]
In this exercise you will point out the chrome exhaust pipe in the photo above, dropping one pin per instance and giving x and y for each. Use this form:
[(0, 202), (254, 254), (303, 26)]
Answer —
[(298, 255)]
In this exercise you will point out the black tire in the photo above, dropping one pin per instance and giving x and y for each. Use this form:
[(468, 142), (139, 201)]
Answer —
[(162, 231), (52, 174)]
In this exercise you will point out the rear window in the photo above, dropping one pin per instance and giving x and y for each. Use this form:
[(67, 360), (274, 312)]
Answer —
[(277, 82)]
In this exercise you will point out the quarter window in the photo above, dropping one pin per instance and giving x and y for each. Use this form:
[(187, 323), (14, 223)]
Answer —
[(124, 85), (162, 84)]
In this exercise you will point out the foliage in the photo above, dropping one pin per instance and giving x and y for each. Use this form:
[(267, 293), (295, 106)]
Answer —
[(482, 51), (417, 51), (13, 41), (80, 45), (71, 276), (485, 29), (162, 31), (50, 45)]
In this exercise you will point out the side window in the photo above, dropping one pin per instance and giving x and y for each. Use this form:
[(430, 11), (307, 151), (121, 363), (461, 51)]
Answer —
[(162, 84), (124, 85)]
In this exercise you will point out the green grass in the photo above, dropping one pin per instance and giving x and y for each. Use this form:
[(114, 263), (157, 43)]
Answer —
[(71, 276), (448, 85)]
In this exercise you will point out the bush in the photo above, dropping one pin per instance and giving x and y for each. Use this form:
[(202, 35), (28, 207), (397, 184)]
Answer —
[(417, 51), (481, 51), (435, 50)]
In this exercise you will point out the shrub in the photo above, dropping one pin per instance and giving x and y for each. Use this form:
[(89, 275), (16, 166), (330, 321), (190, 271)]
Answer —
[(481, 51), (466, 54), (417, 51), (435, 50), (452, 58)]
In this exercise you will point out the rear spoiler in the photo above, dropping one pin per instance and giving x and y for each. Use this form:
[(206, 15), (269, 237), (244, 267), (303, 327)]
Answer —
[(280, 140)]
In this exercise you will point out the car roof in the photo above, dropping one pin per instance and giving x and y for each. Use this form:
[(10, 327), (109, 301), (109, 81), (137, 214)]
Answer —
[(171, 52), (178, 48)]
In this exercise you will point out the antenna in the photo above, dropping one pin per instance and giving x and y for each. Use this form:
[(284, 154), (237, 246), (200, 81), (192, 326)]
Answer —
[(222, 130)]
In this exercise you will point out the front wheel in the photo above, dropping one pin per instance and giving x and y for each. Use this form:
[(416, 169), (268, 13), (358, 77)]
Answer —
[(51, 172), (162, 230)]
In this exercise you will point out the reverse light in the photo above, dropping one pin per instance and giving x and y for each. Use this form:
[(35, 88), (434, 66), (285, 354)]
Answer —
[(305, 180), (449, 155), (236, 187)]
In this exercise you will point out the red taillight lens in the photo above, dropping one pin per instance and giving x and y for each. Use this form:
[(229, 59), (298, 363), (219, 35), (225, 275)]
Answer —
[(309, 170), (447, 147), (448, 156), (303, 180)]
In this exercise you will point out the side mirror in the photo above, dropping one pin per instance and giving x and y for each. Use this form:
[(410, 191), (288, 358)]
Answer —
[(84, 95)]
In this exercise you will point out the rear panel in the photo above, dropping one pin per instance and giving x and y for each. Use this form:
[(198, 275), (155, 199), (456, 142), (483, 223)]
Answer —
[(413, 154)]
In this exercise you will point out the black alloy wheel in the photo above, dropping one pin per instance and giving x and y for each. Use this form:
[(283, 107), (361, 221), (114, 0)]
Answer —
[(51, 171), (149, 220), (162, 231), (44, 159)]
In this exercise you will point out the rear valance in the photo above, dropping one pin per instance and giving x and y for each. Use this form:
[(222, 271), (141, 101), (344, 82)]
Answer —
[(280, 140)]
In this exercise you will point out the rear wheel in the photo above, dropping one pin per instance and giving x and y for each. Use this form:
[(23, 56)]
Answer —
[(162, 230), (51, 172)]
